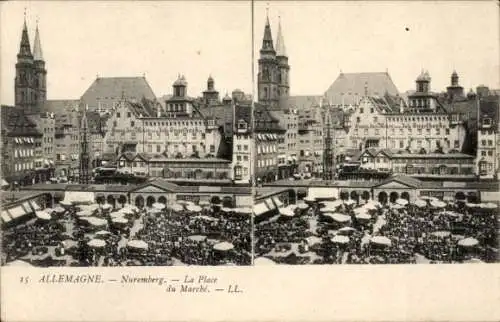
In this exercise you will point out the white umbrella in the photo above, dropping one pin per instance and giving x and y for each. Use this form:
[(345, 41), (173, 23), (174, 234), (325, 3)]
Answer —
[(381, 240), (65, 203), (197, 238), (420, 203), (346, 230), (95, 221), (472, 205), (313, 240), (83, 213), (302, 206), (339, 217), (205, 218), (263, 261), (59, 209), (286, 212), (97, 243), (69, 243), (369, 206), (224, 246), (139, 244), (128, 211), (332, 204), (204, 203), (176, 207), (42, 215), (451, 214), (402, 202), (102, 233), (438, 204), (361, 210), (468, 242), (363, 216), (19, 263), (226, 209), (159, 206), (349, 202), (441, 233), (120, 220), (340, 239), (193, 208)]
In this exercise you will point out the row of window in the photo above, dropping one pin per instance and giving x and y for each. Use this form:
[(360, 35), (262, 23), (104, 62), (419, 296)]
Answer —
[(489, 153), (267, 162), (267, 149), (240, 158), (487, 142), (22, 153), (23, 166)]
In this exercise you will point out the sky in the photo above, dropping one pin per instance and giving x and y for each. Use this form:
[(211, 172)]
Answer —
[(81, 40), (323, 38)]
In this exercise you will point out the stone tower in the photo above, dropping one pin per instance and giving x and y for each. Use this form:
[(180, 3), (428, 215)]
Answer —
[(267, 80)]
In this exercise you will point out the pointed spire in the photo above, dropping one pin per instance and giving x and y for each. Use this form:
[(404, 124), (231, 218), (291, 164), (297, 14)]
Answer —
[(37, 47), (280, 42), (25, 48), (267, 41)]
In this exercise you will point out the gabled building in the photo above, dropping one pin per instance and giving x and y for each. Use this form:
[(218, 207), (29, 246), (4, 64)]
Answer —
[(268, 136), (107, 92), (21, 146), (179, 131), (425, 126), (242, 143), (487, 148), (349, 88)]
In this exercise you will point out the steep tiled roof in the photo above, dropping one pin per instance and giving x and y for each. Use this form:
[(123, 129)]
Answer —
[(16, 123), (412, 182), (116, 88), (264, 121), (300, 102), (489, 109), (352, 85), (60, 106)]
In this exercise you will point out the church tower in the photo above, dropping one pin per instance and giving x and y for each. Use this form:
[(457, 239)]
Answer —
[(23, 84), (283, 67), (39, 73), (267, 80)]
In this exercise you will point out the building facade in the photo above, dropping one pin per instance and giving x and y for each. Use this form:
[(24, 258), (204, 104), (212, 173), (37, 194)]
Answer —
[(21, 148), (487, 146)]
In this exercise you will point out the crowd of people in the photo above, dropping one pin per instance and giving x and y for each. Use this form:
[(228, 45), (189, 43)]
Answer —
[(384, 234), (92, 235)]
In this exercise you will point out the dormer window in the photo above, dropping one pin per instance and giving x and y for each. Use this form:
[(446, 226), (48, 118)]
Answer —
[(242, 125)]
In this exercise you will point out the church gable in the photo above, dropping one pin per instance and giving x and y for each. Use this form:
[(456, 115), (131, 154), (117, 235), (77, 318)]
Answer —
[(151, 189), (393, 185)]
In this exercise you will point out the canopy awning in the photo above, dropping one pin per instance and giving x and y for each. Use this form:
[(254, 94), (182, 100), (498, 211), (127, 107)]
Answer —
[(278, 202), (35, 205), (269, 203), (17, 212), (260, 208), (5, 216)]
